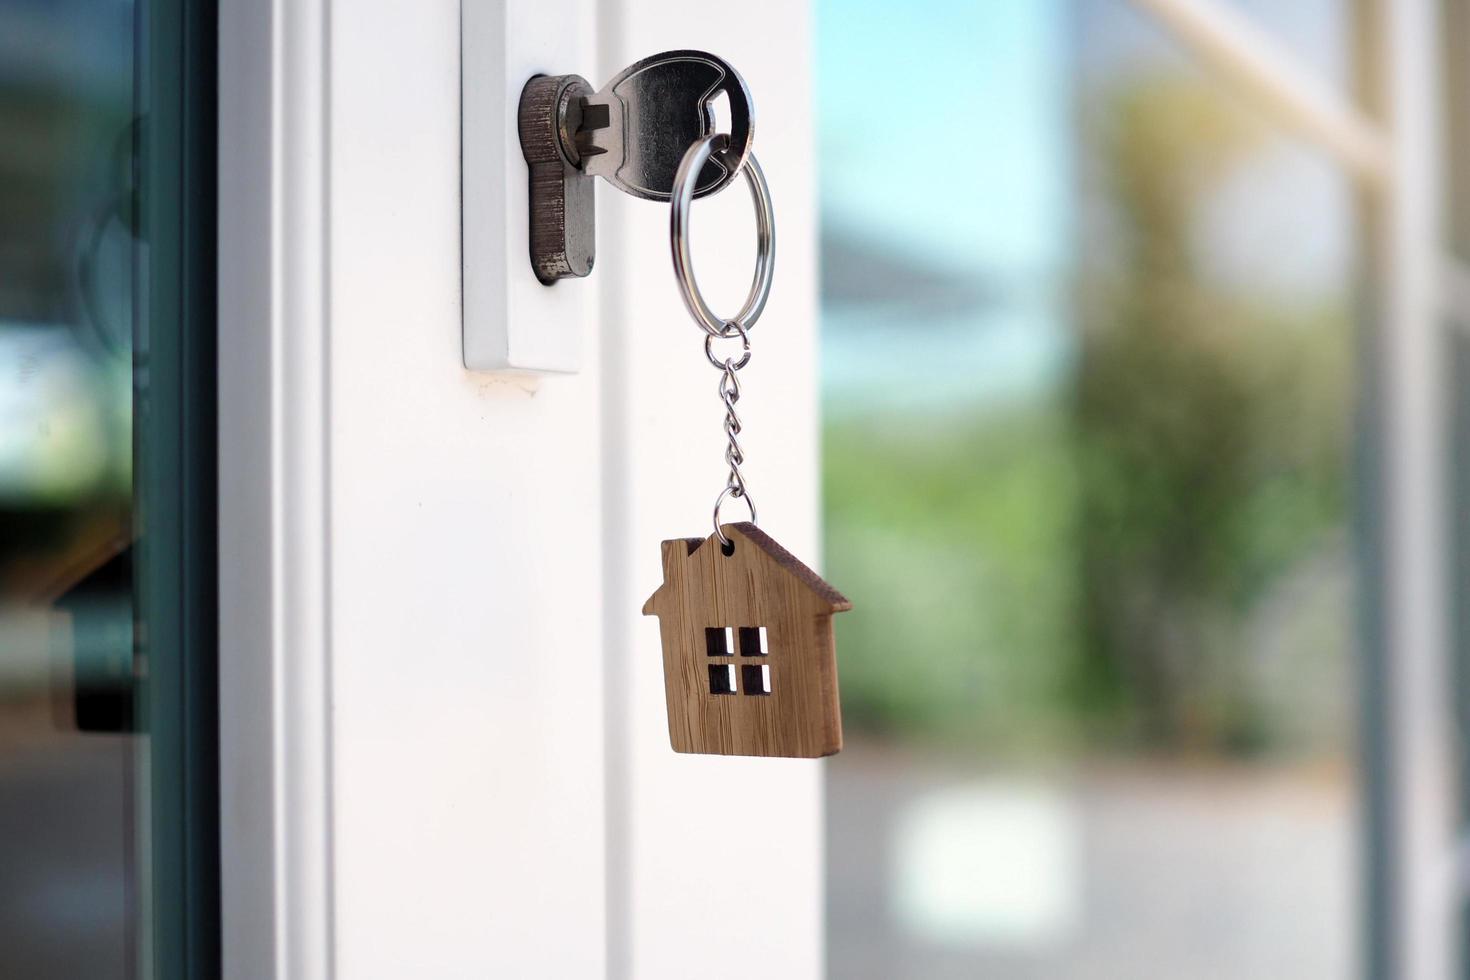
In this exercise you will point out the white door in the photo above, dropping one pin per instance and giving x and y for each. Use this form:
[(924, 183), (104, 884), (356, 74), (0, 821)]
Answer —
[(444, 746)]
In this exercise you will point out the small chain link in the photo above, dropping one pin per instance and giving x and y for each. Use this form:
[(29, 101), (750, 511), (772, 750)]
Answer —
[(729, 390)]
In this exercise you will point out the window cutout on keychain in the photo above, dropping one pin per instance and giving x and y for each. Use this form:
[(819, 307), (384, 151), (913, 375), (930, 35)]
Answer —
[(753, 641), (719, 641), (722, 678), (756, 678)]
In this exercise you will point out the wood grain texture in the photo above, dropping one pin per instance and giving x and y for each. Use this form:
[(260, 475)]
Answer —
[(759, 584)]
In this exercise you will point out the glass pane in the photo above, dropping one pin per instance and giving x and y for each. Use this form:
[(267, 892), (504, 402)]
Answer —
[(1454, 118), (1088, 405), (1455, 121), (92, 478), (1458, 343)]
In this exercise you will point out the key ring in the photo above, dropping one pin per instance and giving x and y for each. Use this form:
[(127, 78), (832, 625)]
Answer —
[(765, 240), (737, 330)]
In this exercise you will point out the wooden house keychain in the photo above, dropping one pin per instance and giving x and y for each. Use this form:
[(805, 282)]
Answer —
[(750, 665)]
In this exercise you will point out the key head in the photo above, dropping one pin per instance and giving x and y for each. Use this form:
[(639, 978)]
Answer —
[(638, 127)]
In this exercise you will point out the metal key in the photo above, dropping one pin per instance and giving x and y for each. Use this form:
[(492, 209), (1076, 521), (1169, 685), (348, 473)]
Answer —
[(637, 128), (633, 133)]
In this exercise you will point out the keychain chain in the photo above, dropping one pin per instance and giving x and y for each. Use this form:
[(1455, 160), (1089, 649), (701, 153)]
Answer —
[(715, 327), (729, 391)]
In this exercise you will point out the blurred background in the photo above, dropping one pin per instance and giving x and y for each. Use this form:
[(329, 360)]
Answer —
[(1099, 374), (72, 287), (1128, 311), (99, 602)]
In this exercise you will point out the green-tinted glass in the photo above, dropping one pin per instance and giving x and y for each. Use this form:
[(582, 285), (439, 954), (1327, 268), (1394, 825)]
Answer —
[(107, 786)]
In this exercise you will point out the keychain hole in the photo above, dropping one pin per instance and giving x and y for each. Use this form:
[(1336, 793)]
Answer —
[(727, 549), (719, 108)]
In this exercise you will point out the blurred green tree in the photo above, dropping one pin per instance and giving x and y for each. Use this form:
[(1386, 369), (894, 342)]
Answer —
[(1139, 554), (1211, 435)]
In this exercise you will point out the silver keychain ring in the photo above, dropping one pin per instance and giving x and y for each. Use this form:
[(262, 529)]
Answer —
[(729, 363), (720, 500), (765, 239)]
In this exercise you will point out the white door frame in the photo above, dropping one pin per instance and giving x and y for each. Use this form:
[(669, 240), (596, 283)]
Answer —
[(274, 654), (443, 745)]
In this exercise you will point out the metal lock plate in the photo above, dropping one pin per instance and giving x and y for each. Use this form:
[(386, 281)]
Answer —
[(563, 216), (633, 133)]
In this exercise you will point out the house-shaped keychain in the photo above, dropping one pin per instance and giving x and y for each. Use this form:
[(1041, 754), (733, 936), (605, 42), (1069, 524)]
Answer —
[(750, 667)]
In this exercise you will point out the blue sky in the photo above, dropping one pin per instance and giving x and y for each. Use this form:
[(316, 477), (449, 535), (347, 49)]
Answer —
[(944, 128), (944, 143)]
